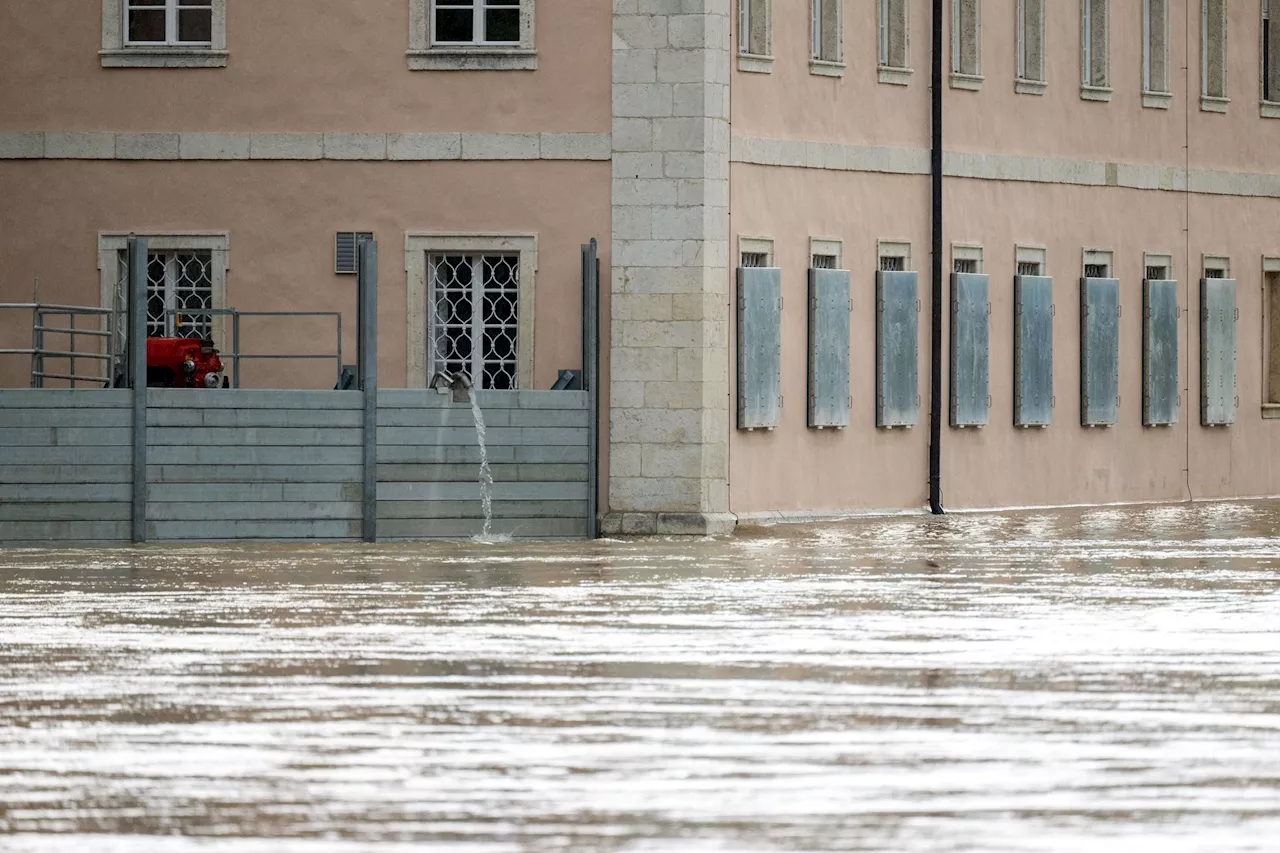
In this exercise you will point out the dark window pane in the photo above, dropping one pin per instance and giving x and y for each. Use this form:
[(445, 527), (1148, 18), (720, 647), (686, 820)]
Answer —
[(146, 26), (195, 25), (502, 25), (455, 25)]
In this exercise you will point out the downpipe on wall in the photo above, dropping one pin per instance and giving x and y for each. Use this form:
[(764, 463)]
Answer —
[(935, 318)]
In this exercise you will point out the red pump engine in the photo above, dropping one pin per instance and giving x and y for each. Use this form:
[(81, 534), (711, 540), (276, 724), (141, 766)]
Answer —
[(183, 363)]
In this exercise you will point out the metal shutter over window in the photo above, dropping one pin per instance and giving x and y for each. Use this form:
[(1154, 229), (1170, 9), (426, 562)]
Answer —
[(345, 251), (970, 347), (829, 307), (1099, 351), (897, 349), (1032, 351), (1159, 352), (759, 347), (1217, 351)]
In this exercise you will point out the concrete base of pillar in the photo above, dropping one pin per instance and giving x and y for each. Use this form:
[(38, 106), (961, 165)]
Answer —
[(668, 524)]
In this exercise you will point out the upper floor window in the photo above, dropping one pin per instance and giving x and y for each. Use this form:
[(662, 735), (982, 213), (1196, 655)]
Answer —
[(1270, 60), (1031, 76), (827, 37), (895, 42), (472, 35), (1095, 50), (1155, 53), (1213, 55), (966, 44), (164, 33), (755, 35)]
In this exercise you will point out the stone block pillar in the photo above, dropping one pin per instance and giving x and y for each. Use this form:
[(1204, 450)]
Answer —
[(669, 394)]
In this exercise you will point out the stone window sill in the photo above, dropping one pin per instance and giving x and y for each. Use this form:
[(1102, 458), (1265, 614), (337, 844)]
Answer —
[(755, 63), (971, 82), (1210, 104), (163, 57), (826, 68), (894, 76), (1269, 109), (1157, 100), (1095, 93), (472, 59), (1029, 87)]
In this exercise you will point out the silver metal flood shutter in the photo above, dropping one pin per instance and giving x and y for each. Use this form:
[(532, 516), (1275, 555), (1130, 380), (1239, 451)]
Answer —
[(897, 349), (1099, 351), (970, 348), (759, 347), (1159, 353), (829, 307), (1217, 351), (1032, 351)]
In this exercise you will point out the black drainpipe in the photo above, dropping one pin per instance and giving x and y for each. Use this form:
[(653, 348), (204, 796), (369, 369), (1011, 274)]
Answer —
[(935, 318)]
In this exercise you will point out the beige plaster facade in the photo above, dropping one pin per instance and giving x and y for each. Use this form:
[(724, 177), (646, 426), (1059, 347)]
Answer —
[(659, 129)]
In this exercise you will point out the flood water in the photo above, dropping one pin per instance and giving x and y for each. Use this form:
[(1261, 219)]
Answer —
[(1085, 680)]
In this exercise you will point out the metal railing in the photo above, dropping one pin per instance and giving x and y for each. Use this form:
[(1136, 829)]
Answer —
[(43, 313), (236, 356)]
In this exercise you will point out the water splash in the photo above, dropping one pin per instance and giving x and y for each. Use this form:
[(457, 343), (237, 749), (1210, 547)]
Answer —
[(486, 475)]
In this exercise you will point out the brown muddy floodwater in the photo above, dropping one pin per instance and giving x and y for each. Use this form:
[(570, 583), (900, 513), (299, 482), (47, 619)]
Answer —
[(1085, 680)]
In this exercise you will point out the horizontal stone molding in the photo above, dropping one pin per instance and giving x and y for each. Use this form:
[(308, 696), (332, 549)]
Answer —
[(98, 145), (840, 157)]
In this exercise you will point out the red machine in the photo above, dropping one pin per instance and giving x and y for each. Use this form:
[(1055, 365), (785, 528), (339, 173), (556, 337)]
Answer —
[(183, 363)]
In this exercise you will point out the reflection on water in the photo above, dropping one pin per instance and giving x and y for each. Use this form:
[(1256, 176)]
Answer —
[(1087, 680)]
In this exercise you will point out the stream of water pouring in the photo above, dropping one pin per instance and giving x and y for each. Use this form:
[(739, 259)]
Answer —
[(486, 475)]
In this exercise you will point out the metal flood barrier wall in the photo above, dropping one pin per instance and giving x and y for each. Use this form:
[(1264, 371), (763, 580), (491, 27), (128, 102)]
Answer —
[(239, 464)]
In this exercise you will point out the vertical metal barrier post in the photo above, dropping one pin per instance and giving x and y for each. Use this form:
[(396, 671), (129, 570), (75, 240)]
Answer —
[(137, 256), (367, 323), (590, 378)]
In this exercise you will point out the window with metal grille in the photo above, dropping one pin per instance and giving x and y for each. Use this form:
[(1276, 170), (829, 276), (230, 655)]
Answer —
[(475, 22), (1095, 60), (755, 259), (473, 327), (1031, 40), (1270, 53), (894, 34), (345, 257), (966, 37), (826, 36), (1157, 273), (178, 22), (179, 293), (1028, 268), (1096, 271), (893, 263), (1155, 46), (1213, 48), (824, 262), (753, 27), (964, 265), (1215, 273)]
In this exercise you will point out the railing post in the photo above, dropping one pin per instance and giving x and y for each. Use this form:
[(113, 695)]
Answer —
[(137, 253), (590, 377), (367, 322)]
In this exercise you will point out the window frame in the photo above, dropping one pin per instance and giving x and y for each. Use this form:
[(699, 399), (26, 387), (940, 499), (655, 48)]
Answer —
[(899, 75), (1025, 84), (1214, 103), (425, 54), (419, 246), (826, 66), (218, 244), (961, 79), (968, 253), (894, 249), (1159, 99), (826, 247), (756, 246), (1270, 281), (1026, 253), (1269, 107), (118, 52), (758, 61), (1091, 90)]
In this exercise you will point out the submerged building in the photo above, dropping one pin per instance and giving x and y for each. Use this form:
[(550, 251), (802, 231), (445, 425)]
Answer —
[(758, 176)]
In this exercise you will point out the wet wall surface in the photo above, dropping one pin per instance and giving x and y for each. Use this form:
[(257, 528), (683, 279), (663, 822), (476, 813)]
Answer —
[(1103, 679)]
